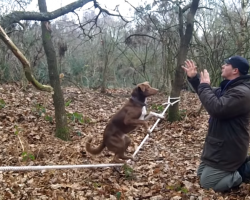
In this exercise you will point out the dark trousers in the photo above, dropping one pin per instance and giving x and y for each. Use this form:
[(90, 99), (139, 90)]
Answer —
[(244, 170)]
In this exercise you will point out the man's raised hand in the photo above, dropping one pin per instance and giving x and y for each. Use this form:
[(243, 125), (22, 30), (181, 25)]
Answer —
[(190, 68)]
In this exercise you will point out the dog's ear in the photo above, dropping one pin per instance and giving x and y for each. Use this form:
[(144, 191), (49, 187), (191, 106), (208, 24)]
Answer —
[(142, 87), (146, 82)]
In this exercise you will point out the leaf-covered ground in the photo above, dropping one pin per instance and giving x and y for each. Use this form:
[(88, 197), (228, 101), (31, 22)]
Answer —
[(165, 167)]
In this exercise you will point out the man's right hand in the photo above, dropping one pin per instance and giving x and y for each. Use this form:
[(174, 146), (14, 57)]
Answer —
[(190, 68)]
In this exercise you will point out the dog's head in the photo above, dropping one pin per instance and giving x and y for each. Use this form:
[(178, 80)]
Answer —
[(144, 89)]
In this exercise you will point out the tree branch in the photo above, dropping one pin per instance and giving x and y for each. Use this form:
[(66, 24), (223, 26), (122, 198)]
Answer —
[(107, 12), (204, 7), (137, 34), (186, 7), (20, 4), (94, 21), (133, 7), (16, 16), (24, 61)]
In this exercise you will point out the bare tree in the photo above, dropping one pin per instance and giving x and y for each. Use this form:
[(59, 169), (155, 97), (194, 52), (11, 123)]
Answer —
[(44, 16), (62, 130), (185, 32)]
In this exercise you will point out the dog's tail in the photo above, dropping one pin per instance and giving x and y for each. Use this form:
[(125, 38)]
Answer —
[(93, 150)]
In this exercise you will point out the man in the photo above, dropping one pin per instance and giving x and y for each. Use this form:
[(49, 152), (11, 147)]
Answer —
[(224, 162)]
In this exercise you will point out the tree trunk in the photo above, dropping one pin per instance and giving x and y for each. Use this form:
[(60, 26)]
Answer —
[(164, 64), (105, 68), (182, 56), (104, 78), (62, 130), (243, 25)]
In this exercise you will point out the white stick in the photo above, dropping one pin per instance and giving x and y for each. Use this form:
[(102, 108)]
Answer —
[(29, 168), (138, 148), (157, 121)]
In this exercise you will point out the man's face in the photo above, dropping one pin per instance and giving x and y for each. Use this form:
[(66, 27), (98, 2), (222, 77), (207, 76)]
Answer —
[(228, 72)]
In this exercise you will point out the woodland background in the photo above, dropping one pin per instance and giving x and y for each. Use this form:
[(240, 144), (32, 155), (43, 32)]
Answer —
[(144, 49), (92, 57)]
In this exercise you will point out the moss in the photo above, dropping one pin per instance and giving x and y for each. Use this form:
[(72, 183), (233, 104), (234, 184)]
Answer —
[(63, 133)]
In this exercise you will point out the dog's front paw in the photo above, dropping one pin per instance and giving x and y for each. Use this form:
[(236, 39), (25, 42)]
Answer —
[(130, 161), (161, 116)]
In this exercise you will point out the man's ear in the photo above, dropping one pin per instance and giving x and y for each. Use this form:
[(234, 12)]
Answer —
[(236, 70)]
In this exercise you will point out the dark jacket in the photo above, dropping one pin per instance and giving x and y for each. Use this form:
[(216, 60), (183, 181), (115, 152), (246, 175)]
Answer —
[(227, 141)]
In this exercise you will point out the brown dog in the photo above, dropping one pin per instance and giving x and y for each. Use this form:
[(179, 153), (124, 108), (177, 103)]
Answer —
[(124, 121)]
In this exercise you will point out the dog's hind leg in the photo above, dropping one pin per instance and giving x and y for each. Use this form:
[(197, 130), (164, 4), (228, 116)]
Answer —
[(119, 156), (124, 157), (127, 142), (117, 160)]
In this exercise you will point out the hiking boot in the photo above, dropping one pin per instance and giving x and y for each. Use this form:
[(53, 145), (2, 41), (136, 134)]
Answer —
[(244, 171)]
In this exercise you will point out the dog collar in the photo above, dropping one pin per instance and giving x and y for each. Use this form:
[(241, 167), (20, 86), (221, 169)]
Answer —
[(138, 101)]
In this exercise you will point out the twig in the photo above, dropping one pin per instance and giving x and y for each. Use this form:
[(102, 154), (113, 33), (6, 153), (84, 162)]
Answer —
[(20, 142), (68, 79)]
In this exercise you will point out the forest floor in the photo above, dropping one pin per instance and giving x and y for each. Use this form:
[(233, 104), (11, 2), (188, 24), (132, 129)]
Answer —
[(165, 167)]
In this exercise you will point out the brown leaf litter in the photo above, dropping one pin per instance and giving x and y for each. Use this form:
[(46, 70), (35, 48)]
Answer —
[(165, 167)]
